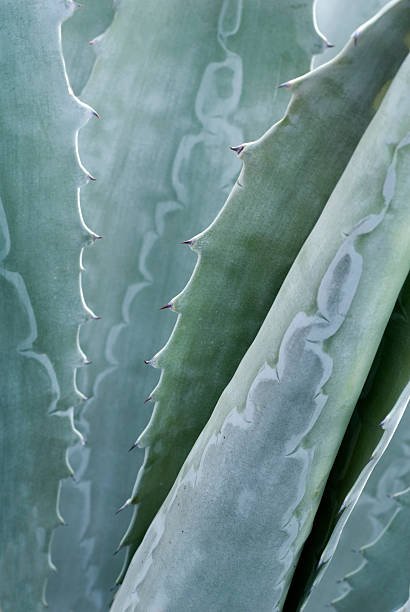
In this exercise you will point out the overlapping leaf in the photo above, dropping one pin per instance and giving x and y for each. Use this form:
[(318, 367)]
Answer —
[(233, 525), (245, 253), (175, 84)]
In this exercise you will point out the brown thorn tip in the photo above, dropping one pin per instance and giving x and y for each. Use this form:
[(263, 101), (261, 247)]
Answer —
[(238, 149), (287, 84), (87, 362), (187, 242), (147, 362), (96, 114), (169, 305), (92, 178), (117, 551), (96, 318), (149, 398), (132, 447), (329, 45)]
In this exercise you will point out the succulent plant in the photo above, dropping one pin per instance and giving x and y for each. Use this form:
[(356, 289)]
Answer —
[(251, 485), (227, 291), (279, 419)]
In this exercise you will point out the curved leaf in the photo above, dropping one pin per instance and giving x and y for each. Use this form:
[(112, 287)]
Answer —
[(383, 401), (233, 525), (373, 510), (287, 177), (175, 83), (383, 580)]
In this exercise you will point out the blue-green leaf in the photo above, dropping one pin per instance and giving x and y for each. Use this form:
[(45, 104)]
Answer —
[(41, 239)]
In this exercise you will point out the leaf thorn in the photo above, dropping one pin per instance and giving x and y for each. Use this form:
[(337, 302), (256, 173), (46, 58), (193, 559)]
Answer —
[(238, 150), (125, 505)]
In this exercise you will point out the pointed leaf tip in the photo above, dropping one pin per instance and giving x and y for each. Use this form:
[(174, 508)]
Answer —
[(238, 149), (169, 305), (287, 84), (124, 505)]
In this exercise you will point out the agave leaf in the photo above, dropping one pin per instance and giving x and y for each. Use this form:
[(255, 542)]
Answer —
[(261, 228), (376, 416), (382, 582), (339, 19), (373, 511), (78, 34), (233, 525), (175, 84), (42, 236)]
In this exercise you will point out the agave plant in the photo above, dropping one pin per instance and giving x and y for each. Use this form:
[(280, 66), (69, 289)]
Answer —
[(276, 438)]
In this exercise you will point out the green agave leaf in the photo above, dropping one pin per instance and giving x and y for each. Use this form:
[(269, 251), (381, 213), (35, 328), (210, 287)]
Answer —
[(244, 255), (175, 83), (383, 400), (373, 511), (42, 235), (338, 19), (382, 582), (78, 34), (229, 533)]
